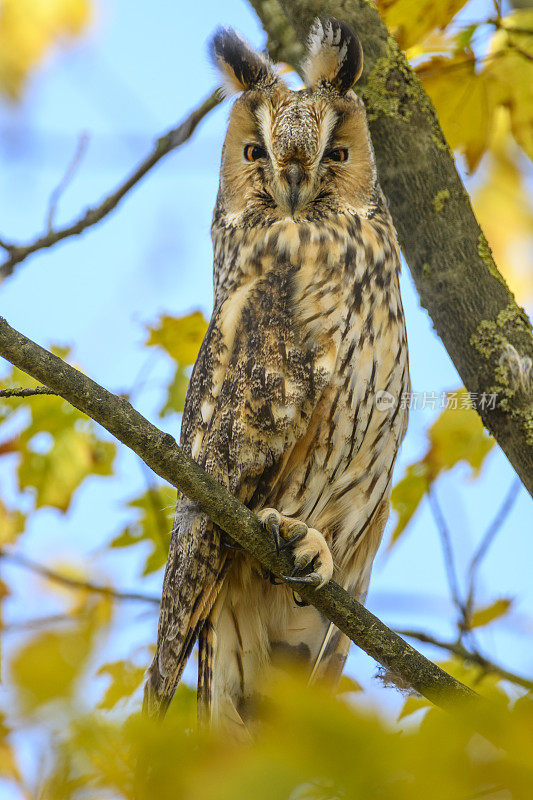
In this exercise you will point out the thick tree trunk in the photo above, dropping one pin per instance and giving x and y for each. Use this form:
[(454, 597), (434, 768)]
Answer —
[(488, 337)]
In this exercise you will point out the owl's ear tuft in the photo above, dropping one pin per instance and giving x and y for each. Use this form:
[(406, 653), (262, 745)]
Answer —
[(241, 67), (334, 55)]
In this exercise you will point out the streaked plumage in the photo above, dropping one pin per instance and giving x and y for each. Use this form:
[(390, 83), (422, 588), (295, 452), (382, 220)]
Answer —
[(307, 327)]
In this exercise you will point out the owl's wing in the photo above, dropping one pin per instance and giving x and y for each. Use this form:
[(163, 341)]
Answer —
[(254, 386)]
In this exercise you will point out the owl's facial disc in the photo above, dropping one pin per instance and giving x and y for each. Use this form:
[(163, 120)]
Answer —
[(294, 131), (298, 154)]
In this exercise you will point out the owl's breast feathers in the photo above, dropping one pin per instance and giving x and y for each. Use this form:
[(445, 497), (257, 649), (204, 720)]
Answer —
[(307, 330), (307, 326)]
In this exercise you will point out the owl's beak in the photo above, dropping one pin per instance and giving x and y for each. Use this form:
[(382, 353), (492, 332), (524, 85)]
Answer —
[(294, 175)]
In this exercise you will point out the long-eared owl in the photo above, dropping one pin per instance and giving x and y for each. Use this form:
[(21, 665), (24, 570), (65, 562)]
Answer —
[(294, 403)]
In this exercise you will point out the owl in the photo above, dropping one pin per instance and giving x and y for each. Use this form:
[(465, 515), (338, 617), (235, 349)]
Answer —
[(294, 403)]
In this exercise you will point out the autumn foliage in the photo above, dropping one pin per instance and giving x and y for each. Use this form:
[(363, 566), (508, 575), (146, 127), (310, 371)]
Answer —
[(81, 716)]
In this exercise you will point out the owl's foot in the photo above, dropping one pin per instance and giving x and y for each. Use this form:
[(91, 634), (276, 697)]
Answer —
[(313, 563)]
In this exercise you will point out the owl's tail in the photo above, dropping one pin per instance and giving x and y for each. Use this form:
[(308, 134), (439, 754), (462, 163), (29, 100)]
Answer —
[(159, 688), (206, 661), (195, 572)]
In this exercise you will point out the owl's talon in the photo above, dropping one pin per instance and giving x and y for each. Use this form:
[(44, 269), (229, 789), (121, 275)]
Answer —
[(232, 546), (271, 520), (311, 551), (278, 541), (290, 542)]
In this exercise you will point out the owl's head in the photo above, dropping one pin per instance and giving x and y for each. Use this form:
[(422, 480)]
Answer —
[(292, 153)]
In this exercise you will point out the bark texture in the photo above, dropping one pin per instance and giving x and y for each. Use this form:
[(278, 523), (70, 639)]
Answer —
[(488, 337)]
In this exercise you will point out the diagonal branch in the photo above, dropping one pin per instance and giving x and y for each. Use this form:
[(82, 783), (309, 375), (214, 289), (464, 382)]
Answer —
[(487, 335), (160, 452), (164, 145)]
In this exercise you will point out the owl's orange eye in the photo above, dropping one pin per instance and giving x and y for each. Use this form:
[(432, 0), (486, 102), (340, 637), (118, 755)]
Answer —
[(253, 151), (340, 154)]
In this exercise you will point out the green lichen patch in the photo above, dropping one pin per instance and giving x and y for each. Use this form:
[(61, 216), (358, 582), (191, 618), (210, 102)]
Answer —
[(439, 199), (493, 340), (391, 88), (493, 337), (485, 253), (439, 141)]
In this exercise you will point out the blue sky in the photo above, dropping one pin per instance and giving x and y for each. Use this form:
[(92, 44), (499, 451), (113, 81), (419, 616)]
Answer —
[(140, 69)]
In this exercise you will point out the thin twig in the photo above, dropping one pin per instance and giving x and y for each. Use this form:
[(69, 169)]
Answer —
[(473, 657), (72, 167), (18, 391), (36, 623), (447, 549), (164, 145), (74, 583), (486, 542)]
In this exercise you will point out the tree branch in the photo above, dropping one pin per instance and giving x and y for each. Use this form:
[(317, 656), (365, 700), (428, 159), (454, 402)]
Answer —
[(474, 658), (74, 583), (17, 391), (164, 145), (485, 333), (161, 453)]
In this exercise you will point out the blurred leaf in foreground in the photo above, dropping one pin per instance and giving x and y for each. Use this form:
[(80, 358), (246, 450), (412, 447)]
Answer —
[(308, 745), (29, 29)]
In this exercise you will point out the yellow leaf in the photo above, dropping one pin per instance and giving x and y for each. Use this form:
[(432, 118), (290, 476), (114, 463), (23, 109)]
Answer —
[(482, 616), (56, 474), (412, 20), (181, 337), (58, 447), (50, 664), (348, 685), (29, 29), (436, 42), (406, 497), (510, 68), (457, 435), (176, 393), (11, 525), (125, 680), (412, 705), (464, 102), (504, 209)]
